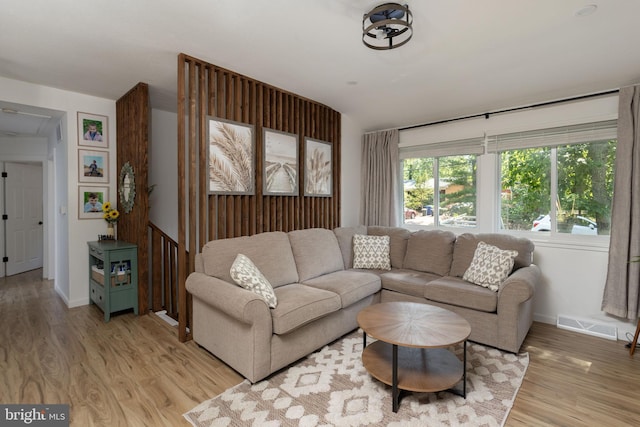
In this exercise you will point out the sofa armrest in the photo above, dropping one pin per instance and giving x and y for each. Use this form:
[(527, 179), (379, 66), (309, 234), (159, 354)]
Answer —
[(515, 307), (518, 287), (239, 303)]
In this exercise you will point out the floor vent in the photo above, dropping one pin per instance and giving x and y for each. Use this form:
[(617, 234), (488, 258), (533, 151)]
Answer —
[(588, 327)]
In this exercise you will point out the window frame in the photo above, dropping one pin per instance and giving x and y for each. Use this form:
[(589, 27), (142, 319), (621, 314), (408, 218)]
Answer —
[(469, 147), (488, 177), (459, 147), (552, 138)]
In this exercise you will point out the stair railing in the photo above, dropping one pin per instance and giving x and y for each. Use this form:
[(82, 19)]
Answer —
[(163, 272)]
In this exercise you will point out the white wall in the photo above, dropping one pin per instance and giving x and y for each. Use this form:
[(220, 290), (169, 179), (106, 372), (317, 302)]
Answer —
[(20, 148), (163, 172), (49, 242), (350, 172), (72, 234), (574, 268), (60, 212)]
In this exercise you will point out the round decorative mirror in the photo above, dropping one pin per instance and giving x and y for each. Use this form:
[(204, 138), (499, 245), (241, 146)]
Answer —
[(127, 188)]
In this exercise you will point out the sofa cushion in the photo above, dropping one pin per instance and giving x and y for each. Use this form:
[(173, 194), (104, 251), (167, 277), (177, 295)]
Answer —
[(455, 291), (398, 241), (351, 285), (466, 244), (430, 251), (270, 252), (371, 252), (345, 241), (300, 304), (408, 282), (316, 252), (490, 266), (246, 275)]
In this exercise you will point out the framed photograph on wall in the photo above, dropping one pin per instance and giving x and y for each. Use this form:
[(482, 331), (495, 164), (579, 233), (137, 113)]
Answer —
[(93, 130), (90, 201), (318, 168), (280, 170), (232, 148), (93, 166)]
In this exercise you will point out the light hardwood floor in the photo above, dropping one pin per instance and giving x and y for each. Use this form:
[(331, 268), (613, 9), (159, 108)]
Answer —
[(133, 371)]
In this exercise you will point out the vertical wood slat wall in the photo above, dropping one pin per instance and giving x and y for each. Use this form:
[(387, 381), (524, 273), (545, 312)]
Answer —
[(132, 125), (208, 90)]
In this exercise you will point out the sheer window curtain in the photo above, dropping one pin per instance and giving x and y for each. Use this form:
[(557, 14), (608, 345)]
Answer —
[(622, 289), (380, 200)]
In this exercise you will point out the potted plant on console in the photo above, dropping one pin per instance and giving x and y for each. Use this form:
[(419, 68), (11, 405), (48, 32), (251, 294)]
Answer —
[(111, 215)]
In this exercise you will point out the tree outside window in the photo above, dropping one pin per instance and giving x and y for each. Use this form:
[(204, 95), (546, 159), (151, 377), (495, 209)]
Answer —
[(583, 189), (454, 178)]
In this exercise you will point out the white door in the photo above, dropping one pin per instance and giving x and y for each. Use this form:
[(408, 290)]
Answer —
[(23, 206)]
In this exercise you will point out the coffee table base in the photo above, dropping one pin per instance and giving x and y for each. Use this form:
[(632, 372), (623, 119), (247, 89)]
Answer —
[(414, 369)]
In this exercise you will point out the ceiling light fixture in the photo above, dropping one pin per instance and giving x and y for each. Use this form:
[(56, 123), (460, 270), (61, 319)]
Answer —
[(387, 26)]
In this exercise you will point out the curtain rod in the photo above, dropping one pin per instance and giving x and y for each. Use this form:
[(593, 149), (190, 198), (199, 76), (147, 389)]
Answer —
[(509, 110)]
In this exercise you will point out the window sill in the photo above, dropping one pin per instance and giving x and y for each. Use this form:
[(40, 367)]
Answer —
[(573, 242), (540, 239)]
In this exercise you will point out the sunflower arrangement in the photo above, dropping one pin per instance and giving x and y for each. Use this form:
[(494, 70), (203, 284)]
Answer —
[(110, 214)]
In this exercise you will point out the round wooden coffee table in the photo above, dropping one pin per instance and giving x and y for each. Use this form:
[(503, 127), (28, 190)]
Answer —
[(411, 348)]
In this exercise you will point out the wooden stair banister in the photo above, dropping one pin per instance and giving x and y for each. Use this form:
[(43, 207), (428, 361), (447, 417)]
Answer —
[(164, 272)]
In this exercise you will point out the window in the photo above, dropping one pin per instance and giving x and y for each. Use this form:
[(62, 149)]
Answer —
[(440, 183), (418, 190), (550, 181), (457, 191), (564, 185), (526, 187)]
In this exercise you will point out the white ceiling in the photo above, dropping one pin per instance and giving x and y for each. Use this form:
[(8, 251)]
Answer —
[(466, 56)]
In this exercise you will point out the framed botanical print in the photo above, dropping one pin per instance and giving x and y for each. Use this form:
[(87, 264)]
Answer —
[(93, 166), (231, 157), (93, 130), (318, 168), (280, 163)]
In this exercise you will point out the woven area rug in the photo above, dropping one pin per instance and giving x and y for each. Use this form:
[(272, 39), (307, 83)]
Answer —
[(332, 388)]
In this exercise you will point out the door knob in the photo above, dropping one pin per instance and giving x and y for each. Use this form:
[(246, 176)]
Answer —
[(39, 222)]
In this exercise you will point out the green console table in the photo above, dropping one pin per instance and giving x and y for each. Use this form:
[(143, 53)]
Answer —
[(113, 276)]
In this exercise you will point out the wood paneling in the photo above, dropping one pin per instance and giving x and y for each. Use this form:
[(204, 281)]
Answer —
[(132, 114), (207, 90)]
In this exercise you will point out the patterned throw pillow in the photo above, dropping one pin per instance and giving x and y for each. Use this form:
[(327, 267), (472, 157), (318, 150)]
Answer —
[(246, 275), (490, 266), (371, 252)]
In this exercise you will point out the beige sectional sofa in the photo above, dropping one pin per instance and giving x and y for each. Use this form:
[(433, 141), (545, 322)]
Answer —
[(319, 293)]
